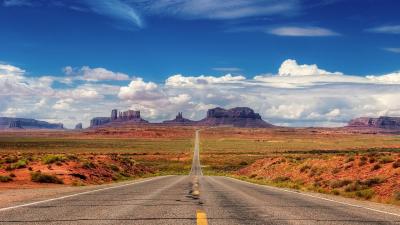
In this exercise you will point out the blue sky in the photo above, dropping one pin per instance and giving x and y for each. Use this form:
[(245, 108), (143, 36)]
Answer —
[(45, 36), (140, 54)]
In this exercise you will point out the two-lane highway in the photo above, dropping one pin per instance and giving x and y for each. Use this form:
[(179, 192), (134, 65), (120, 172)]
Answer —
[(196, 167), (190, 200)]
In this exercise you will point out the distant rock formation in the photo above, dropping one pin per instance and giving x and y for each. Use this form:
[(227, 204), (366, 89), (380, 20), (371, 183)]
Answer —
[(98, 121), (79, 126), (118, 117), (383, 122), (238, 117), (9, 122), (15, 124), (179, 120)]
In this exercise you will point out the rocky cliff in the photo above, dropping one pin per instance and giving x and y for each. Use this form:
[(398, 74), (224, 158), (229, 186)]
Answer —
[(79, 126), (383, 122), (179, 120), (98, 121), (237, 117), (13, 123), (16, 124), (116, 117)]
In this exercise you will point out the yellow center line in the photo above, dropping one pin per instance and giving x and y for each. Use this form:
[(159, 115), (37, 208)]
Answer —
[(201, 217)]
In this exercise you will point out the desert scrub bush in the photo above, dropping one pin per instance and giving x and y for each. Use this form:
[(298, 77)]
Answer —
[(340, 183), (243, 163), (120, 177), (396, 164), (350, 159), (4, 179), (72, 157), (372, 181), (363, 161), (397, 196), (336, 170), (376, 167), (355, 186), (365, 194), (45, 178), (281, 179), (253, 176), (315, 171), (11, 159), (19, 164), (88, 165), (335, 192), (50, 159), (305, 168), (114, 168), (12, 175), (386, 159), (372, 160), (127, 161)]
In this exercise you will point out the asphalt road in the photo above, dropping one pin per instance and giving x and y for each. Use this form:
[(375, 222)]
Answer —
[(193, 199)]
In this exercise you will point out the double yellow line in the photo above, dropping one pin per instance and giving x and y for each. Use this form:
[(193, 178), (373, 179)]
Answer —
[(201, 217)]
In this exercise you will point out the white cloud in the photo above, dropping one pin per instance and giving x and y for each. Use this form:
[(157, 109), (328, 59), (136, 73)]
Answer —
[(298, 95), (140, 90), (291, 68), (94, 74), (391, 29), (9, 3), (180, 99), (302, 32), (227, 69), (394, 50), (63, 104), (217, 9), (79, 93), (116, 9), (182, 81), (392, 78), (10, 70)]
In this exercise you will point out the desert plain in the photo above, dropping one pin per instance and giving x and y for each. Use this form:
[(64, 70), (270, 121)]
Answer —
[(362, 164)]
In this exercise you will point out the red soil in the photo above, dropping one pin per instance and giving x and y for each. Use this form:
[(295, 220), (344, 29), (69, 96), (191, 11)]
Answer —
[(323, 170)]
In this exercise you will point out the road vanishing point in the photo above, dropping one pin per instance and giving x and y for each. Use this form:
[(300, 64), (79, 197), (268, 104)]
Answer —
[(192, 199)]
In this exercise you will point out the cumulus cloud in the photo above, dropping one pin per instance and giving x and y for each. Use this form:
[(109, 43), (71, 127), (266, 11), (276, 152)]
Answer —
[(140, 90), (63, 104), (79, 93), (291, 68), (94, 74), (302, 31), (10, 70), (392, 78)]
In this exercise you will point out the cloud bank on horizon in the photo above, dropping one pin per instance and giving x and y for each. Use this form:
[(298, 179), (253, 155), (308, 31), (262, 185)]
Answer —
[(298, 95)]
